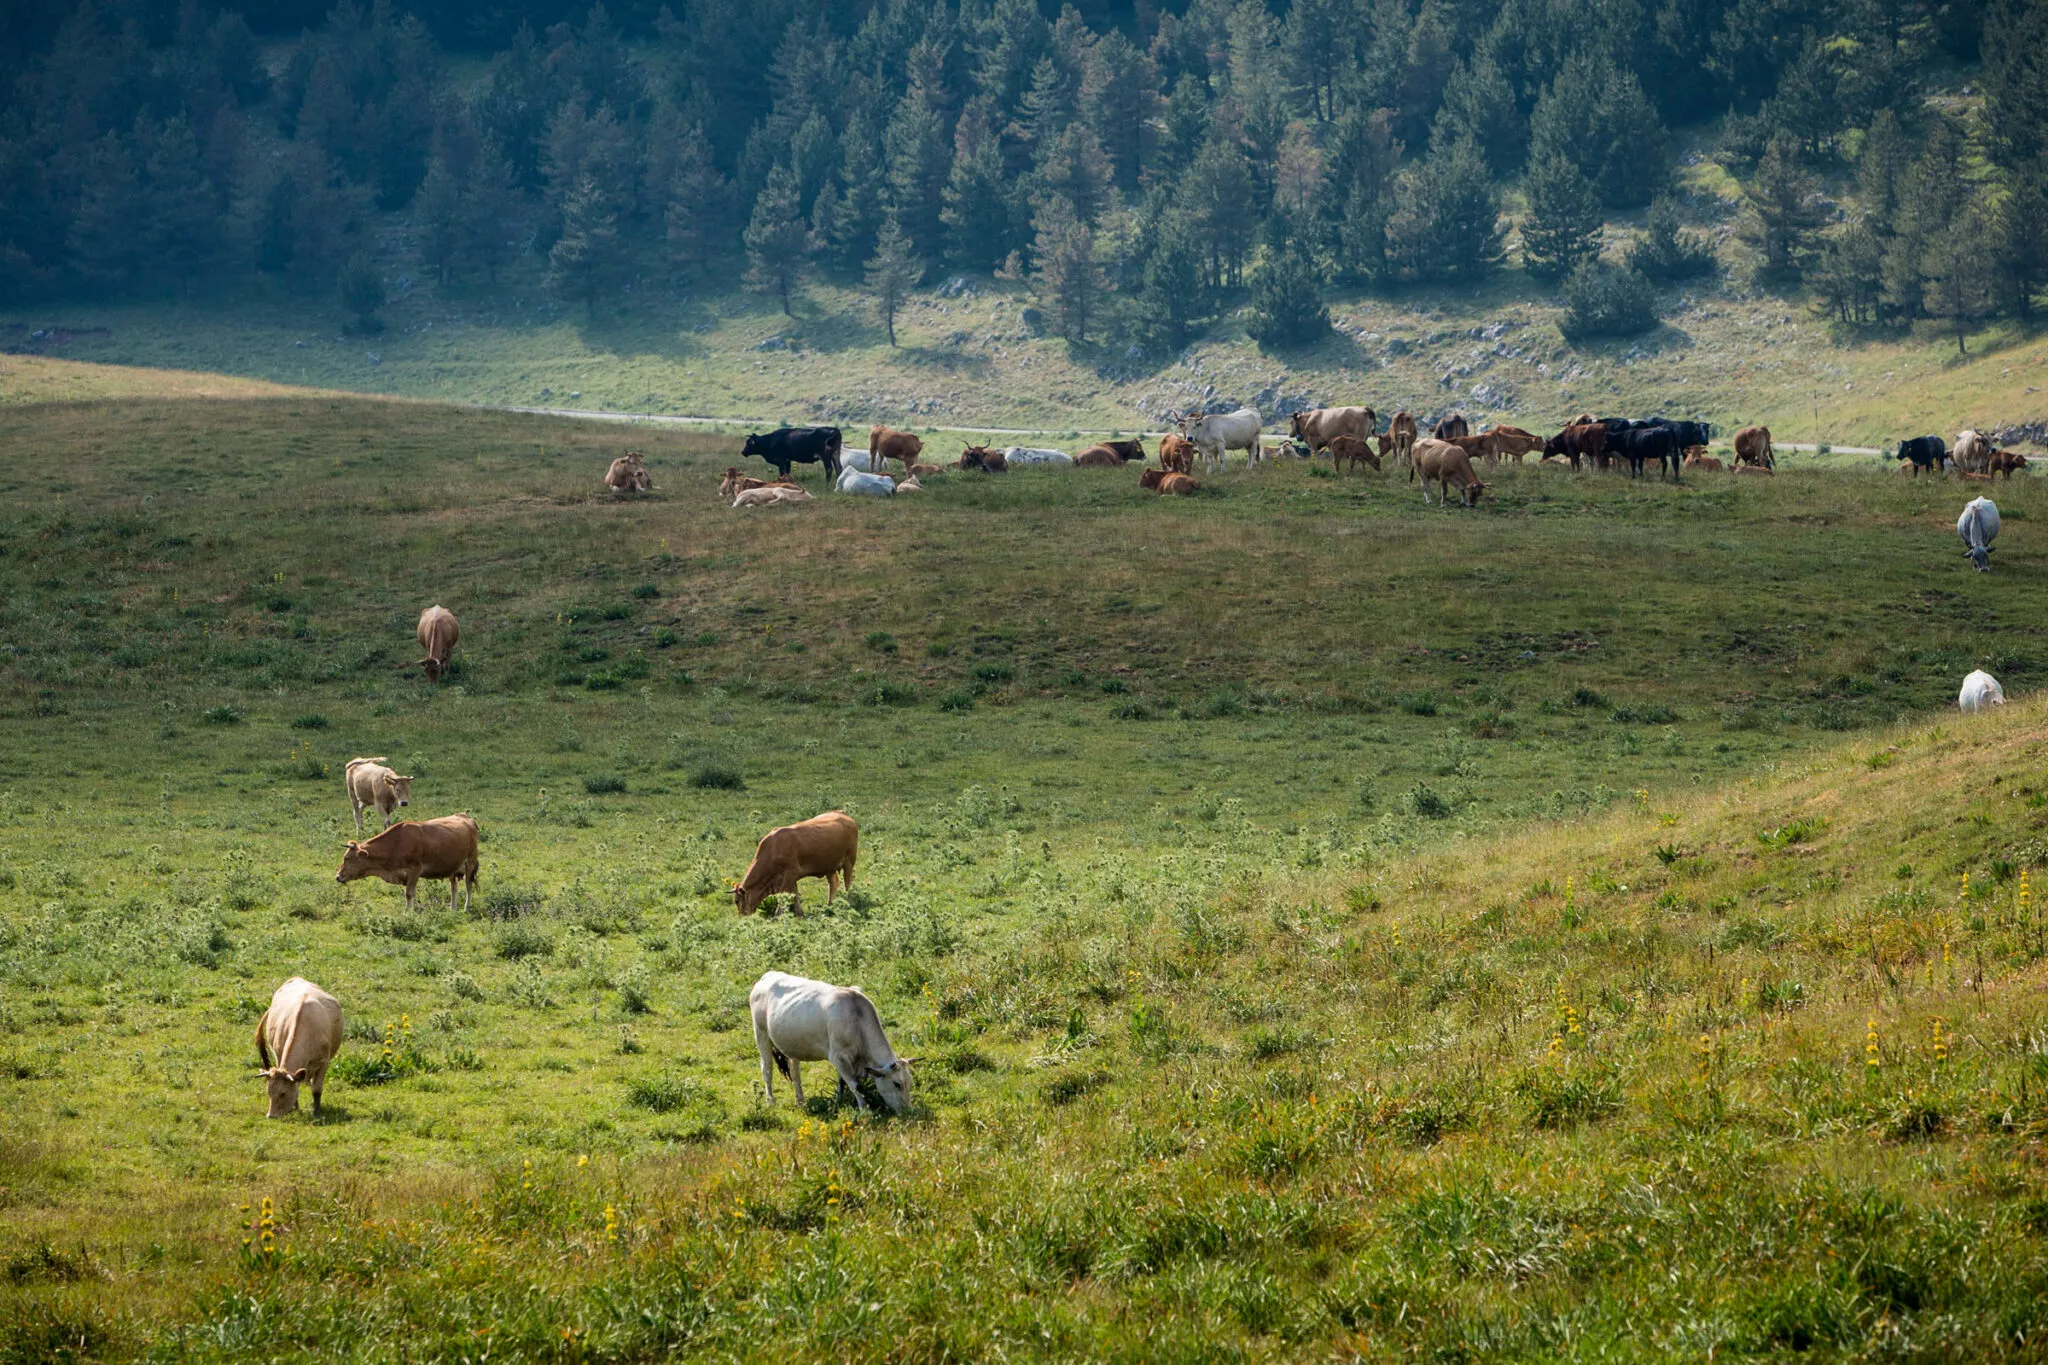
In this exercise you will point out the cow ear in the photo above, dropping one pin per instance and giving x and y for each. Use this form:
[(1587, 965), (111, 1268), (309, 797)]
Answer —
[(300, 1074)]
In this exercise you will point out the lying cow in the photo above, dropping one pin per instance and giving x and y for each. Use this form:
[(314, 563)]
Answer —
[(1176, 453), (1927, 453), (1980, 692), (371, 784), (982, 458), (1447, 464), (1152, 478), (1353, 449), (1098, 457), (1318, 427), (437, 634), (735, 483), (1177, 486), (413, 851), (1127, 451), (1022, 455), (797, 1020), (295, 1040), (866, 485), (628, 474), (920, 471), (797, 445), (1696, 457), (887, 443), (822, 846), (908, 484), (776, 494), (1754, 471)]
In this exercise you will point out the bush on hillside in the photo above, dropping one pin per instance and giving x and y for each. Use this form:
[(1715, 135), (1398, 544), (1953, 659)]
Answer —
[(1600, 300), (1665, 251), (1287, 303)]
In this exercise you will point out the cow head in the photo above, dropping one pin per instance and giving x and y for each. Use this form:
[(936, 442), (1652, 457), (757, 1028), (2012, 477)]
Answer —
[(1297, 425), (401, 788), (747, 899), (892, 1083), (1472, 491), (434, 668), (284, 1089), (355, 863), (754, 445)]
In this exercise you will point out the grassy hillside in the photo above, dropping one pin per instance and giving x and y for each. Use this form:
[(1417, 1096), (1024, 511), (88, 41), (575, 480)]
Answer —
[(1329, 926)]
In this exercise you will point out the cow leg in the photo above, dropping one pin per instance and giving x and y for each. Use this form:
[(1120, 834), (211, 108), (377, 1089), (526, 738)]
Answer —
[(831, 884), (849, 1076), (796, 1080), (411, 881), (358, 807), (767, 1060), (796, 901)]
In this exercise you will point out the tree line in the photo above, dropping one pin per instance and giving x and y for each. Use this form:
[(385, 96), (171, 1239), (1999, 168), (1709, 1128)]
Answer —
[(1144, 167)]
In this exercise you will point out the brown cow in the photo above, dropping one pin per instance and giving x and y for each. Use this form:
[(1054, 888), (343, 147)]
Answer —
[(1753, 447), (1515, 441), (1127, 450), (1402, 429), (1696, 457), (982, 458), (1317, 427), (736, 483), (1176, 453), (1390, 447), (413, 851), (437, 633), (628, 474), (1482, 446), (1447, 464), (1152, 478), (1177, 485), (1452, 426), (1352, 448), (1585, 440), (1755, 469), (822, 846), (887, 443), (1099, 457), (2006, 462), (918, 471)]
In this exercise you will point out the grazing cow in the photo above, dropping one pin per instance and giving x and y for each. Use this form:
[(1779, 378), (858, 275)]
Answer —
[(1644, 444), (1972, 452), (982, 458), (1099, 457), (1447, 464), (797, 445), (1176, 453), (1452, 427), (1924, 452), (295, 1040), (1755, 470), (1402, 429), (1480, 447), (1390, 448), (437, 633), (1216, 434), (1019, 455), (1354, 449), (797, 1020), (887, 443), (1515, 441), (866, 485), (1696, 457), (1152, 478), (628, 474), (735, 483), (370, 783), (2007, 462), (413, 851), (1753, 447), (774, 494), (1318, 427), (1177, 485), (1978, 527), (822, 846), (1980, 691)]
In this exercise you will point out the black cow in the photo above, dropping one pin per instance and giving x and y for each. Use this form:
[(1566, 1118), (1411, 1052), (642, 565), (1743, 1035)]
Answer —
[(1688, 433), (1643, 444), (1452, 427), (798, 445), (1926, 452)]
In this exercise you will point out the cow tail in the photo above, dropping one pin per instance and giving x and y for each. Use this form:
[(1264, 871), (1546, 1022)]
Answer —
[(781, 1062), (262, 1045)]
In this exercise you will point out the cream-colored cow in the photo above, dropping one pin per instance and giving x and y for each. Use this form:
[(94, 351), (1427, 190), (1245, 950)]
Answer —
[(295, 1039)]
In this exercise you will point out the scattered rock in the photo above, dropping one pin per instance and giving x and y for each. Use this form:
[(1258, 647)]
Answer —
[(577, 394), (300, 345), (1396, 346), (774, 343), (373, 357)]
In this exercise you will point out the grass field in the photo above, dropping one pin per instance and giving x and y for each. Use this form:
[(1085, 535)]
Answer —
[(1330, 927)]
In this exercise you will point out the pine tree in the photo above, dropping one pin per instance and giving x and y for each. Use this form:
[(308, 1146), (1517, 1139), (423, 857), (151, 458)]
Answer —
[(1073, 167), (699, 204), (863, 197), (1635, 162), (182, 236), (1171, 295), (1880, 167), (892, 273), (1480, 104), (1287, 302), (2016, 81), (1562, 230), (362, 294), (1357, 200), (1446, 223), (1846, 278), (1217, 193), (977, 212), (1119, 96), (920, 158), (777, 238), (1065, 279), (1665, 251), (588, 258), (2021, 233), (490, 197), (437, 214), (1600, 300), (104, 245), (1781, 196), (1958, 274)]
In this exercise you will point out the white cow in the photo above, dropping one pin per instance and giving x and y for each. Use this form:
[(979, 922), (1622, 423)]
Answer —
[(1971, 452), (1017, 455), (770, 495), (797, 1020), (1219, 433), (1980, 690), (295, 1039), (372, 785), (868, 485), (1978, 527), (862, 461)]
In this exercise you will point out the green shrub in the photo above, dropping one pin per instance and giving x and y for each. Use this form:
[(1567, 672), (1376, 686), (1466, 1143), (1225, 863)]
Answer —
[(646, 590), (311, 721), (957, 701), (881, 641), (1427, 803), (716, 776), (221, 715), (517, 940), (1600, 300), (462, 986), (604, 784)]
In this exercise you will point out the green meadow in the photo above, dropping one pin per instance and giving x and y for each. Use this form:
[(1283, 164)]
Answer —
[(1330, 927)]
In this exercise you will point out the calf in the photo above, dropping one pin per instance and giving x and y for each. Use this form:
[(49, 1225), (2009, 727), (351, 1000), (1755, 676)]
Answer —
[(1152, 478), (295, 1040), (822, 846), (1352, 448), (1402, 429), (2007, 462), (1755, 470), (413, 851), (628, 474), (370, 783), (1483, 446), (1177, 486), (437, 633), (1696, 457), (797, 1020), (1753, 447), (1515, 441), (1176, 453), (735, 483), (775, 494)]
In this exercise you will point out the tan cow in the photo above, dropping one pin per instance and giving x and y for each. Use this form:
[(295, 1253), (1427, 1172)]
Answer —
[(887, 443), (1753, 447), (1755, 469), (295, 1040), (1152, 478), (628, 474), (1971, 452), (437, 634), (1176, 453), (822, 846), (1481, 447), (1446, 463), (1317, 427), (1696, 457), (1402, 429), (1515, 441), (735, 483), (370, 783), (413, 851), (1177, 485), (919, 471), (1352, 448), (771, 495)]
